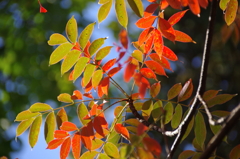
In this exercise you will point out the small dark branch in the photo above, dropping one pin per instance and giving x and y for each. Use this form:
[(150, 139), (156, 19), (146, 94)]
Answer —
[(202, 81), (217, 139)]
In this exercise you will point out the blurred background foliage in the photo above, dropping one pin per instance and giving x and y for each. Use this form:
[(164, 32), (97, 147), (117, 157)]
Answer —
[(25, 77)]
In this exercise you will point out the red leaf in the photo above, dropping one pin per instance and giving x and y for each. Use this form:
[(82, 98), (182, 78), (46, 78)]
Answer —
[(148, 73), (89, 95), (105, 85), (144, 35), (168, 53), (182, 37), (68, 126), (76, 46), (108, 65), (122, 130), (176, 17), (143, 88), (152, 146), (123, 38), (194, 6), (121, 54), (60, 134), (164, 4), (135, 95), (88, 86), (146, 22), (163, 61), (76, 145), (203, 3), (176, 4), (113, 71), (166, 29), (65, 148), (142, 83), (87, 135), (141, 129), (97, 125), (76, 95), (158, 43), (55, 143), (150, 9), (86, 53), (42, 9), (156, 67), (99, 91), (184, 3), (129, 71)]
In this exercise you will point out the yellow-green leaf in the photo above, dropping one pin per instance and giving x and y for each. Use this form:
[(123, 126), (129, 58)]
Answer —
[(196, 145), (96, 78), (121, 12), (138, 107), (85, 35), (82, 111), (65, 97), (103, 52), (189, 128), (104, 10), (57, 39), (168, 108), (147, 109), (95, 45), (79, 67), (49, 127), (24, 115), (40, 107), (132, 121), (125, 151), (223, 4), (220, 99), (60, 52), (215, 129), (34, 131), (111, 150), (137, 7), (231, 11), (87, 75), (71, 58), (137, 55), (177, 116), (89, 155), (103, 156), (23, 126), (157, 110), (174, 91), (96, 143), (72, 30), (61, 117), (103, 1), (200, 129)]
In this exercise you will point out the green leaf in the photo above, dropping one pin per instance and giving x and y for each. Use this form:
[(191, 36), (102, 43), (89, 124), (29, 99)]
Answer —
[(79, 67), (132, 129), (40, 107), (117, 110), (197, 155), (103, 156), (65, 97), (147, 109), (138, 107), (220, 113), (177, 116), (235, 153), (82, 111), (103, 52), (114, 138), (71, 58), (111, 150), (231, 11), (215, 129), (200, 129), (59, 53), (174, 91), (137, 55), (87, 75), (49, 127), (132, 121), (137, 7), (89, 155), (25, 115), (23, 126), (220, 99), (168, 108), (103, 1), (34, 131), (196, 145), (61, 117), (72, 30), (186, 154), (189, 128), (157, 110), (104, 11), (95, 45), (223, 4), (121, 12), (125, 151), (57, 39), (96, 77), (85, 35)]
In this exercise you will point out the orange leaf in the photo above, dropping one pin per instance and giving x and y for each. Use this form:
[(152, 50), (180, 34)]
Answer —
[(176, 17), (89, 95), (129, 71), (105, 85), (70, 77), (141, 129), (176, 4), (150, 9), (168, 53), (158, 42), (99, 91), (76, 145), (143, 88), (152, 146), (93, 110), (146, 22), (86, 53), (68, 126), (203, 3), (119, 128), (182, 37), (135, 95), (148, 73), (65, 148), (76, 95), (113, 71), (142, 83), (156, 67), (166, 29), (152, 0), (163, 61), (60, 134), (55, 143), (88, 86), (164, 4), (87, 135), (108, 65), (123, 38), (42, 9), (144, 35), (184, 3), (194, 6), (155, 89), (76, 46), (149, 43)]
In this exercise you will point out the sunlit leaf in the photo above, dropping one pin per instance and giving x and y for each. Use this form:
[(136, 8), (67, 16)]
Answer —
[(34, 131), (137, 7), (177, 116), (123, 37), (68, 126), (111, 150), (104, 10), (137, 55), (148, 73), (103, 156), (113, 71), (87, 135), (60, 134), (223, 4), (186, 154), (156, 67), (168, 53), (72, 30), (49, 127), (59, 53), (65, 97), (97, 124), (146, 22), (220, 99), (166, 29), (200, 129), (105, 85), (57, 39), (142, 153), (96, 77), (194, 6), (168, 108), (23, 126), (186, 91), (95, 45), (147, 109), (70, 60), (235, 153), (87, 75), (163, 61), (96, 144), (158, 43), (176, 4), (76, 145), (129, 72), (82, 111), (39, 107), (24, 115), (117, 110), (108, 65), (176, 17), (53, 144), (183, 37), (119, 128), (149, 43), (65, 148), (103, 52), (157, 110), (79, 67), (150, 9), (61, 117), (144, 35), (155, 89), (137, 105), (85, 35), (89, 155), (152, 146), (121, 12), (132, 121), (231, 11), (76, 95)]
